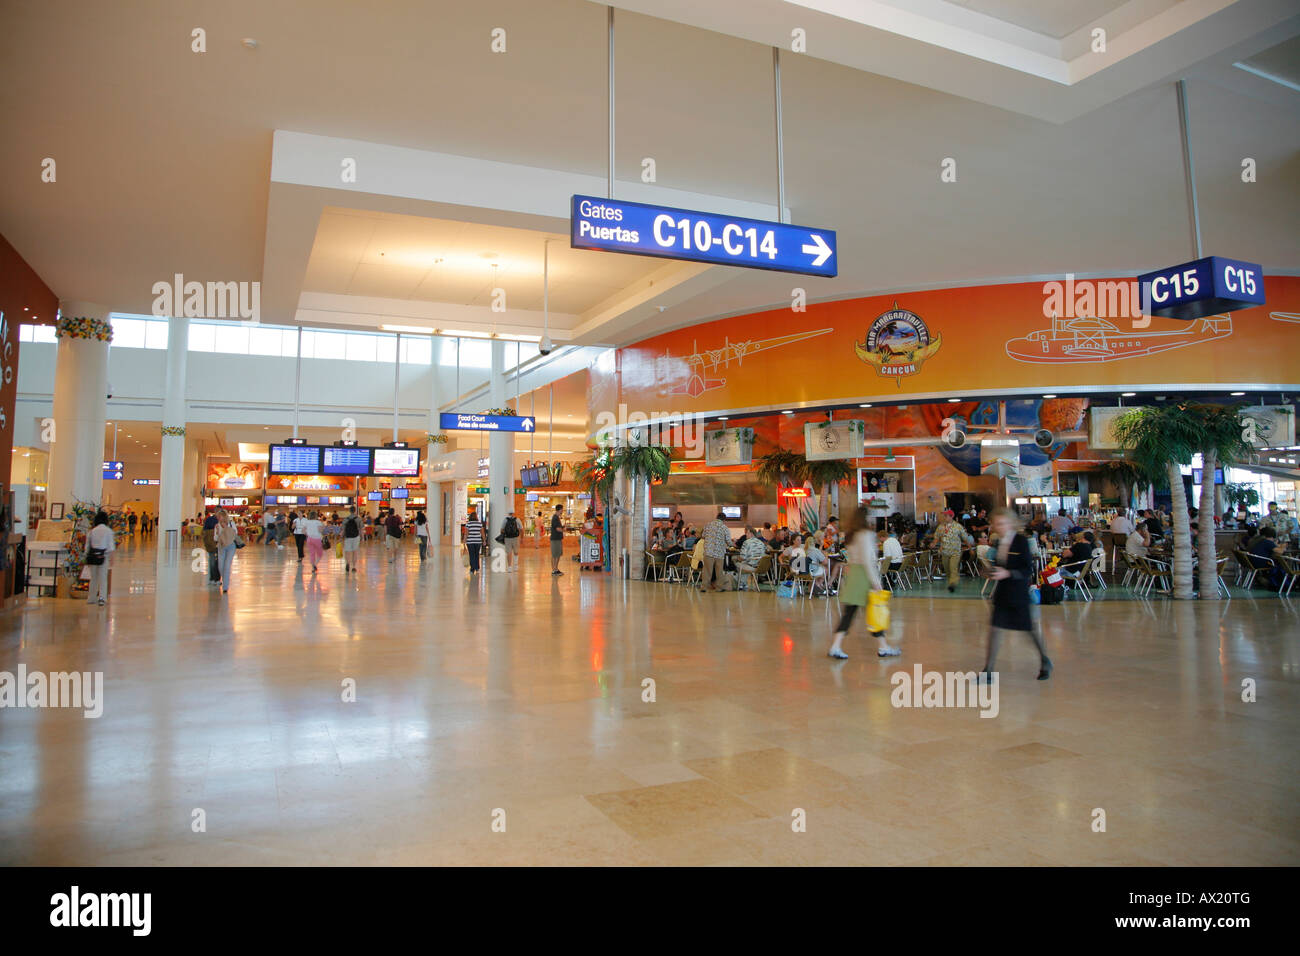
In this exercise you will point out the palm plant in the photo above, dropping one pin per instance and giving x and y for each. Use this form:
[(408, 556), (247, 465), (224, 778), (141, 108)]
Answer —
[(1159, 440), (823, 474), (596, 476), (1127, 477), (783, 467), (640, 465), (1221, 443)]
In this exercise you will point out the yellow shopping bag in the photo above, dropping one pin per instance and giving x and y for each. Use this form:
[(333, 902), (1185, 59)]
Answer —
[(338, 549), (878, 612)]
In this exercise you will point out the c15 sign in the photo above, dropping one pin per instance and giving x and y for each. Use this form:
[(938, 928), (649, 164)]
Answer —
[(613, 225), (1200, 288)]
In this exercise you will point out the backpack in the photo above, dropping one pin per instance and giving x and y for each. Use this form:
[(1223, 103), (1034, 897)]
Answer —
[(511, 528), (350, 529)]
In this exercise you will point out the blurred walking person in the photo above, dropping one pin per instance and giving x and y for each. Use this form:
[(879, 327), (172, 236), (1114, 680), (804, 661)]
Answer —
[(857, 582), (1013, 569)]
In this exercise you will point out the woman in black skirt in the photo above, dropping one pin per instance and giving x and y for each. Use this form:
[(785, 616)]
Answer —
[(1013, 569)]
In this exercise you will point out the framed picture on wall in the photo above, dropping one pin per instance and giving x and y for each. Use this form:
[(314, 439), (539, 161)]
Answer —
[(56, 511)]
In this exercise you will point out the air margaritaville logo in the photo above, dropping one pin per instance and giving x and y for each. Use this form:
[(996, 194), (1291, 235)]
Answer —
[(897, 344)]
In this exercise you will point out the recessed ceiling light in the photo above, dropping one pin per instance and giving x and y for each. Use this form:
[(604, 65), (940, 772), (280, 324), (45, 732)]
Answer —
[(1127, 394), (952, 401), (1236, 394), (787, 412), (722, 418), (867, 405), (1049, 396)]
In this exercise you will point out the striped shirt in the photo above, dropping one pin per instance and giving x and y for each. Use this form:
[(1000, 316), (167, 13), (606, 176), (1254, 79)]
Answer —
[(473, 531)]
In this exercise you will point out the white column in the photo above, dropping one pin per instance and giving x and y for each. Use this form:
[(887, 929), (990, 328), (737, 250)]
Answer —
[(80, 410), (172, 460), (433, 505), (501, 447)]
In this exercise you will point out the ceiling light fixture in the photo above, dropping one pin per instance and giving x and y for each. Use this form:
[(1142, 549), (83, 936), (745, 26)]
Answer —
[(1049, 396), (1127, 394), (1236, 394), (953, 401), (867, 405)]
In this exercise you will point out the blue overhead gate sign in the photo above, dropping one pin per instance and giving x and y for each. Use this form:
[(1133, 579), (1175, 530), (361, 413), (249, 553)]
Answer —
[(613, 225)]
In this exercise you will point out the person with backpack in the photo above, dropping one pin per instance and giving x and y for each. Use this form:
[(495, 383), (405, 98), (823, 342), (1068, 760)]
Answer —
[(351, 541), (210, 545), (422, 533), (510, 533)]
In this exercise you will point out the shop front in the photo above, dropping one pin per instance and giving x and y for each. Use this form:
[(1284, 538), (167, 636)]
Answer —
[(329, 493), (234, 486)]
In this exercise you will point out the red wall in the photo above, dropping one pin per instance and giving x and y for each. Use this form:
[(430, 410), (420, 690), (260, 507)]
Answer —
[(24, 298)]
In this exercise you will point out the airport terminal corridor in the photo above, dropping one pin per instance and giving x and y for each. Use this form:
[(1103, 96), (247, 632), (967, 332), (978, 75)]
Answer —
[(523, 693)]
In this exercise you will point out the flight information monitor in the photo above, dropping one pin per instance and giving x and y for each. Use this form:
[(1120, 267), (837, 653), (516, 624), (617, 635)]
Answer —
[(402, 462), (294, 460), (346, 460)]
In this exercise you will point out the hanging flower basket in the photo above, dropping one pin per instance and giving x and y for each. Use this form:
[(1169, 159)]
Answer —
[(510, 412), (83, 327), (173, 431), (438, 439)]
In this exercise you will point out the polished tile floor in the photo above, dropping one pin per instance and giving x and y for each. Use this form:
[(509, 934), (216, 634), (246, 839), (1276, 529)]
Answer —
[(503, 720)]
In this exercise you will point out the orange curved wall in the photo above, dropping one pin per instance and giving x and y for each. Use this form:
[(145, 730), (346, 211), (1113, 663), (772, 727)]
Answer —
[(770, 359)]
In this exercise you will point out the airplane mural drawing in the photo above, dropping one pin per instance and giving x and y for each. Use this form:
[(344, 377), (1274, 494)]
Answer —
[(1098, 340)]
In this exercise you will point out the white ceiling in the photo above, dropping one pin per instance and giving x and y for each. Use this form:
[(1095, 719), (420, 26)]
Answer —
[(363, 253), (1053, 18), (164, 155)]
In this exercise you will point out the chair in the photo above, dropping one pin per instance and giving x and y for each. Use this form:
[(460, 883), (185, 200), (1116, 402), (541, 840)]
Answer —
[(898, 577), (762, 569), (1076, 573), (1157, 572), (1094, 570), (1218, 575), (654, 566), (692, 572), (984, 567), (1248, 566), (1245, 570), (1291, 569), (1130, 567), (673, 567)]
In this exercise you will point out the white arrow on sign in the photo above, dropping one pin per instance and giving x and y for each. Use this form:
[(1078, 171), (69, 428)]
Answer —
[(817, 248), (528, 424)]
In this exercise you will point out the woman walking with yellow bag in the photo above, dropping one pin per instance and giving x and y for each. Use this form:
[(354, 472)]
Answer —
[(860, 586)]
